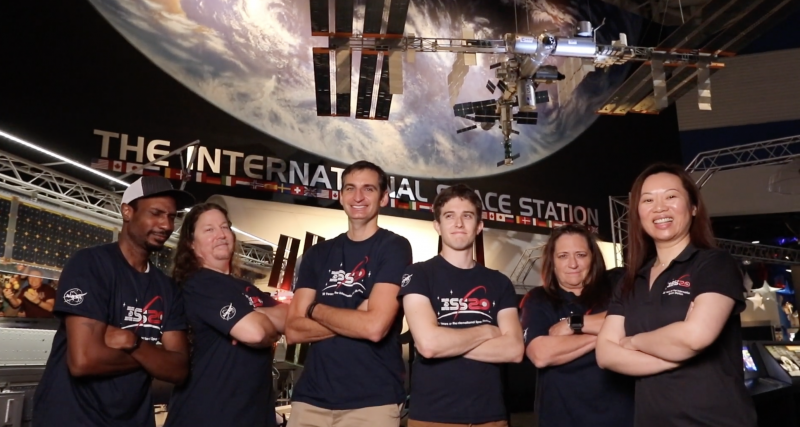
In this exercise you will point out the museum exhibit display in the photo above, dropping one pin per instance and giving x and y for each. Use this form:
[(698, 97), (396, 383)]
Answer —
[(544, 107)]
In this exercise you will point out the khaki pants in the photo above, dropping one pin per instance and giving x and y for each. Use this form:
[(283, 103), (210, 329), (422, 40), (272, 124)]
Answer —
[(305, 415), (412, 423)]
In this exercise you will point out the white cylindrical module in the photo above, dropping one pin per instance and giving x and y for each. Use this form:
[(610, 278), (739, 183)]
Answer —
[(575, 47), (585, 29), (526, 94), (623, 39), (518, 43)]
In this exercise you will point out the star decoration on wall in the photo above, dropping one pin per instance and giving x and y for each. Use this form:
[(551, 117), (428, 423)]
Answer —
[(758, 301)]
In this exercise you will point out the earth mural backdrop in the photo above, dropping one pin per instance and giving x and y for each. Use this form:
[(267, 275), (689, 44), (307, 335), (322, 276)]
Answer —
[(253, 60)]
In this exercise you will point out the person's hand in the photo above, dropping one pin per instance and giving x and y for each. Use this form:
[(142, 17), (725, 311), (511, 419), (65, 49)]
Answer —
[(560, 329), (119, 339), (627, 343), (8, 293), (364, 305), (32, 296)]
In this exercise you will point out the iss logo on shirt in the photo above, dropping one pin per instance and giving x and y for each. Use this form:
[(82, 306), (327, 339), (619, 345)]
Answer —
[(471, 309), (347, 284), (679, 286), (151, 315), (254, 300)]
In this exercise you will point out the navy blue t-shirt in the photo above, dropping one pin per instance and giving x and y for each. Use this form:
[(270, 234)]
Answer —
[(345, 373), (98, 283), (228, 383), (578, 393), (456, 389)]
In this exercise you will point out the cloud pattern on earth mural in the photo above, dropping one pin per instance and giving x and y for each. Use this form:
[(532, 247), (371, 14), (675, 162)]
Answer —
[(252, 59)]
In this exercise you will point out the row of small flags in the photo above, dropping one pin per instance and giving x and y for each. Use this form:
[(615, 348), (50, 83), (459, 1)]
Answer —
[(202, 177), (296, 190)]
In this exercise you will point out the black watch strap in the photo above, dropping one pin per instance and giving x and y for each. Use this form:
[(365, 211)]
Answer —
[(310, 310)]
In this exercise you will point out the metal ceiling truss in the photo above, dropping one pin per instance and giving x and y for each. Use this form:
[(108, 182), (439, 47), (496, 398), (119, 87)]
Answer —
[(255, 255), (619, 227), (764, 153), (755, 252), (772, 152), (43, 184)]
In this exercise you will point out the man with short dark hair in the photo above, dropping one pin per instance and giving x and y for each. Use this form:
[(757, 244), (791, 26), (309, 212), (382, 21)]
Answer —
[(464, 322), (122, 322), (345, 302)]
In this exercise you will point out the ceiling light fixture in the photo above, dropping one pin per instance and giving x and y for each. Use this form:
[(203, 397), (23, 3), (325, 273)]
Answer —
[(755, 242), (62, 158)]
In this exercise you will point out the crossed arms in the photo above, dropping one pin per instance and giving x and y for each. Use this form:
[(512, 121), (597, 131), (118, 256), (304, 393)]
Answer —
[(97, 349), (561, 345), (485, 343), (665, 348), (371, 321)]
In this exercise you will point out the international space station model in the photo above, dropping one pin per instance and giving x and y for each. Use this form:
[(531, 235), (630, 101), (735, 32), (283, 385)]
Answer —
[(685, 60)]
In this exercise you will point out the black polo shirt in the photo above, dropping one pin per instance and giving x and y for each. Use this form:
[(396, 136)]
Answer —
[(578, 393), (708, 389)]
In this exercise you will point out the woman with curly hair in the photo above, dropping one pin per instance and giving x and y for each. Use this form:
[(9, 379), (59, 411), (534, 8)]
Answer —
[(233, 325)]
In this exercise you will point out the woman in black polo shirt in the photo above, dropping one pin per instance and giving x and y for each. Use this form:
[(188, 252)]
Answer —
[(675, 324), (233, 326), (571, 390)]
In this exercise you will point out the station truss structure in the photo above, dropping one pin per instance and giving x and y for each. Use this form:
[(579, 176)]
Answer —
[(43, 184), (605, 56), (772, 152)]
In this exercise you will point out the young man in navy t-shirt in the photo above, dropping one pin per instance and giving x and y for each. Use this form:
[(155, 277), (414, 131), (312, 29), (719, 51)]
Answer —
[(345, 303), (122, 322), (464, 322)]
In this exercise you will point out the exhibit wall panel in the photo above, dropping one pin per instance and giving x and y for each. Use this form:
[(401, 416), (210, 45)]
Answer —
[(268, 220)]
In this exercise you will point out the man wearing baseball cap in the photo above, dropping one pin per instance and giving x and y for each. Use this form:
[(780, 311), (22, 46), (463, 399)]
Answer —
[(122, 321)]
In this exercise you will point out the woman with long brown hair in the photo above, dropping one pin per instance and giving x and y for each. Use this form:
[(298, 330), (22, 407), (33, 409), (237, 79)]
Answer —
[(561, 320), (675, 324), (233, 327)]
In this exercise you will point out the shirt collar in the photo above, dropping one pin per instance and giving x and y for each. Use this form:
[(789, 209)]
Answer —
[(684, 256)]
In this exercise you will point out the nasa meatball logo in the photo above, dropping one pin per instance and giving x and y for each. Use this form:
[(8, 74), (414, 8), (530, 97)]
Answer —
[(406, 280), (74, 296), (227, 312)]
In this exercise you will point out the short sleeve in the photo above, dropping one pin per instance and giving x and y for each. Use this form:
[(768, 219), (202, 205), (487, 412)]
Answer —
[(216, 304), (393, 259), (508, 299), (537, 315), (718, 272), (616, 307), (306, 273), (176, 318), (82, 289), (415, 281)]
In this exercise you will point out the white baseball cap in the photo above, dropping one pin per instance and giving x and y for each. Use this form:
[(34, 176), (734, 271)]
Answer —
[(152, 186)]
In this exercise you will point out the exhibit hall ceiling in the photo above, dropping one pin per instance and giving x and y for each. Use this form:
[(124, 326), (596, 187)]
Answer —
[(253, 59)]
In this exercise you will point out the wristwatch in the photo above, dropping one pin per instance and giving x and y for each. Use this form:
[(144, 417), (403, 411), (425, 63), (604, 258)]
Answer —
[(576, 323)]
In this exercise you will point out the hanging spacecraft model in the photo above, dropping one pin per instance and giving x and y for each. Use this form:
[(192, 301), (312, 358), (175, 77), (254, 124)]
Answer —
[(685, 60)]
